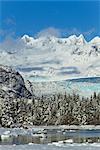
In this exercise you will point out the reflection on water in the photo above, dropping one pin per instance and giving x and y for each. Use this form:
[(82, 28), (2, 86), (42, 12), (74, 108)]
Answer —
[(77, 136)]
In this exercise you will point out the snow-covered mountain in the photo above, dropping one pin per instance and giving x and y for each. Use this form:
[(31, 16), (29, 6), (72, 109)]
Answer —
[(51, 58)]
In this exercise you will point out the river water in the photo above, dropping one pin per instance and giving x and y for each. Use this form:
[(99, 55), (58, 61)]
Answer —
[(34, 139)]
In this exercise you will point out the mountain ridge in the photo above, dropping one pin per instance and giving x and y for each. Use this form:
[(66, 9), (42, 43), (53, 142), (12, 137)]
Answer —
[(49, 57), (26, 38)]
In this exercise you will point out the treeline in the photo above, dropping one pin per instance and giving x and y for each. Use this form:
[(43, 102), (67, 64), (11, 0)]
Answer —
[(58, 109)]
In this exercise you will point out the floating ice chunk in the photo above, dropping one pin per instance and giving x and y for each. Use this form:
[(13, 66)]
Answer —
[(7, 132), (72, 130), (68, 141), (60, 142), (30, 143), (5, 136), (42, 135)]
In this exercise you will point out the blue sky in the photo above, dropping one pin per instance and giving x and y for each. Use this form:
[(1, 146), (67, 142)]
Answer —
[(61, 17)]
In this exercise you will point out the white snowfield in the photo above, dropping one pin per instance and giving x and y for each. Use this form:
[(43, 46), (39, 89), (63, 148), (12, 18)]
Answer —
[(94, 146), (51, 58)]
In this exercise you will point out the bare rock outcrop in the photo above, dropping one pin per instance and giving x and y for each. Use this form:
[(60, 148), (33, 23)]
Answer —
[(12, 83)]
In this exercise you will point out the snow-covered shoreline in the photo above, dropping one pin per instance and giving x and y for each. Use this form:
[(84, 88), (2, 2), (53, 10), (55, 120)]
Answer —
[(56, 127), (69, 127)]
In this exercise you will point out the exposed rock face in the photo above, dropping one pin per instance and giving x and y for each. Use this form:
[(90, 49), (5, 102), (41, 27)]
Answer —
[(12, 83)]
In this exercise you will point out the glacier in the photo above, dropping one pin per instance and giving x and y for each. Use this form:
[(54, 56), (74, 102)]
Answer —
[(82, 86)]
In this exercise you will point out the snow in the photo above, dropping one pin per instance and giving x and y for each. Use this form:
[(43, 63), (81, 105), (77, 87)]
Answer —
[(68, 141), (95, 40), (95, 146), (52, 54), (85, 88)]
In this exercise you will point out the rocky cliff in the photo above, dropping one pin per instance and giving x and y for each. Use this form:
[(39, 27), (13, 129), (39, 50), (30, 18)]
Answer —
[(12, 83), (12, 90)]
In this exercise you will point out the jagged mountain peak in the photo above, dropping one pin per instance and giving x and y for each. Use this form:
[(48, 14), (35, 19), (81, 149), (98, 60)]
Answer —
[(72, 36), (81, 39), (26, 38), (73, 39)]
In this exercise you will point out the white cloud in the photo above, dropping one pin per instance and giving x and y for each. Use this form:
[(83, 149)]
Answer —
[(89, 32), (11, 45), (9, 31), (71, 31), (51, 31), (4, 33)]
